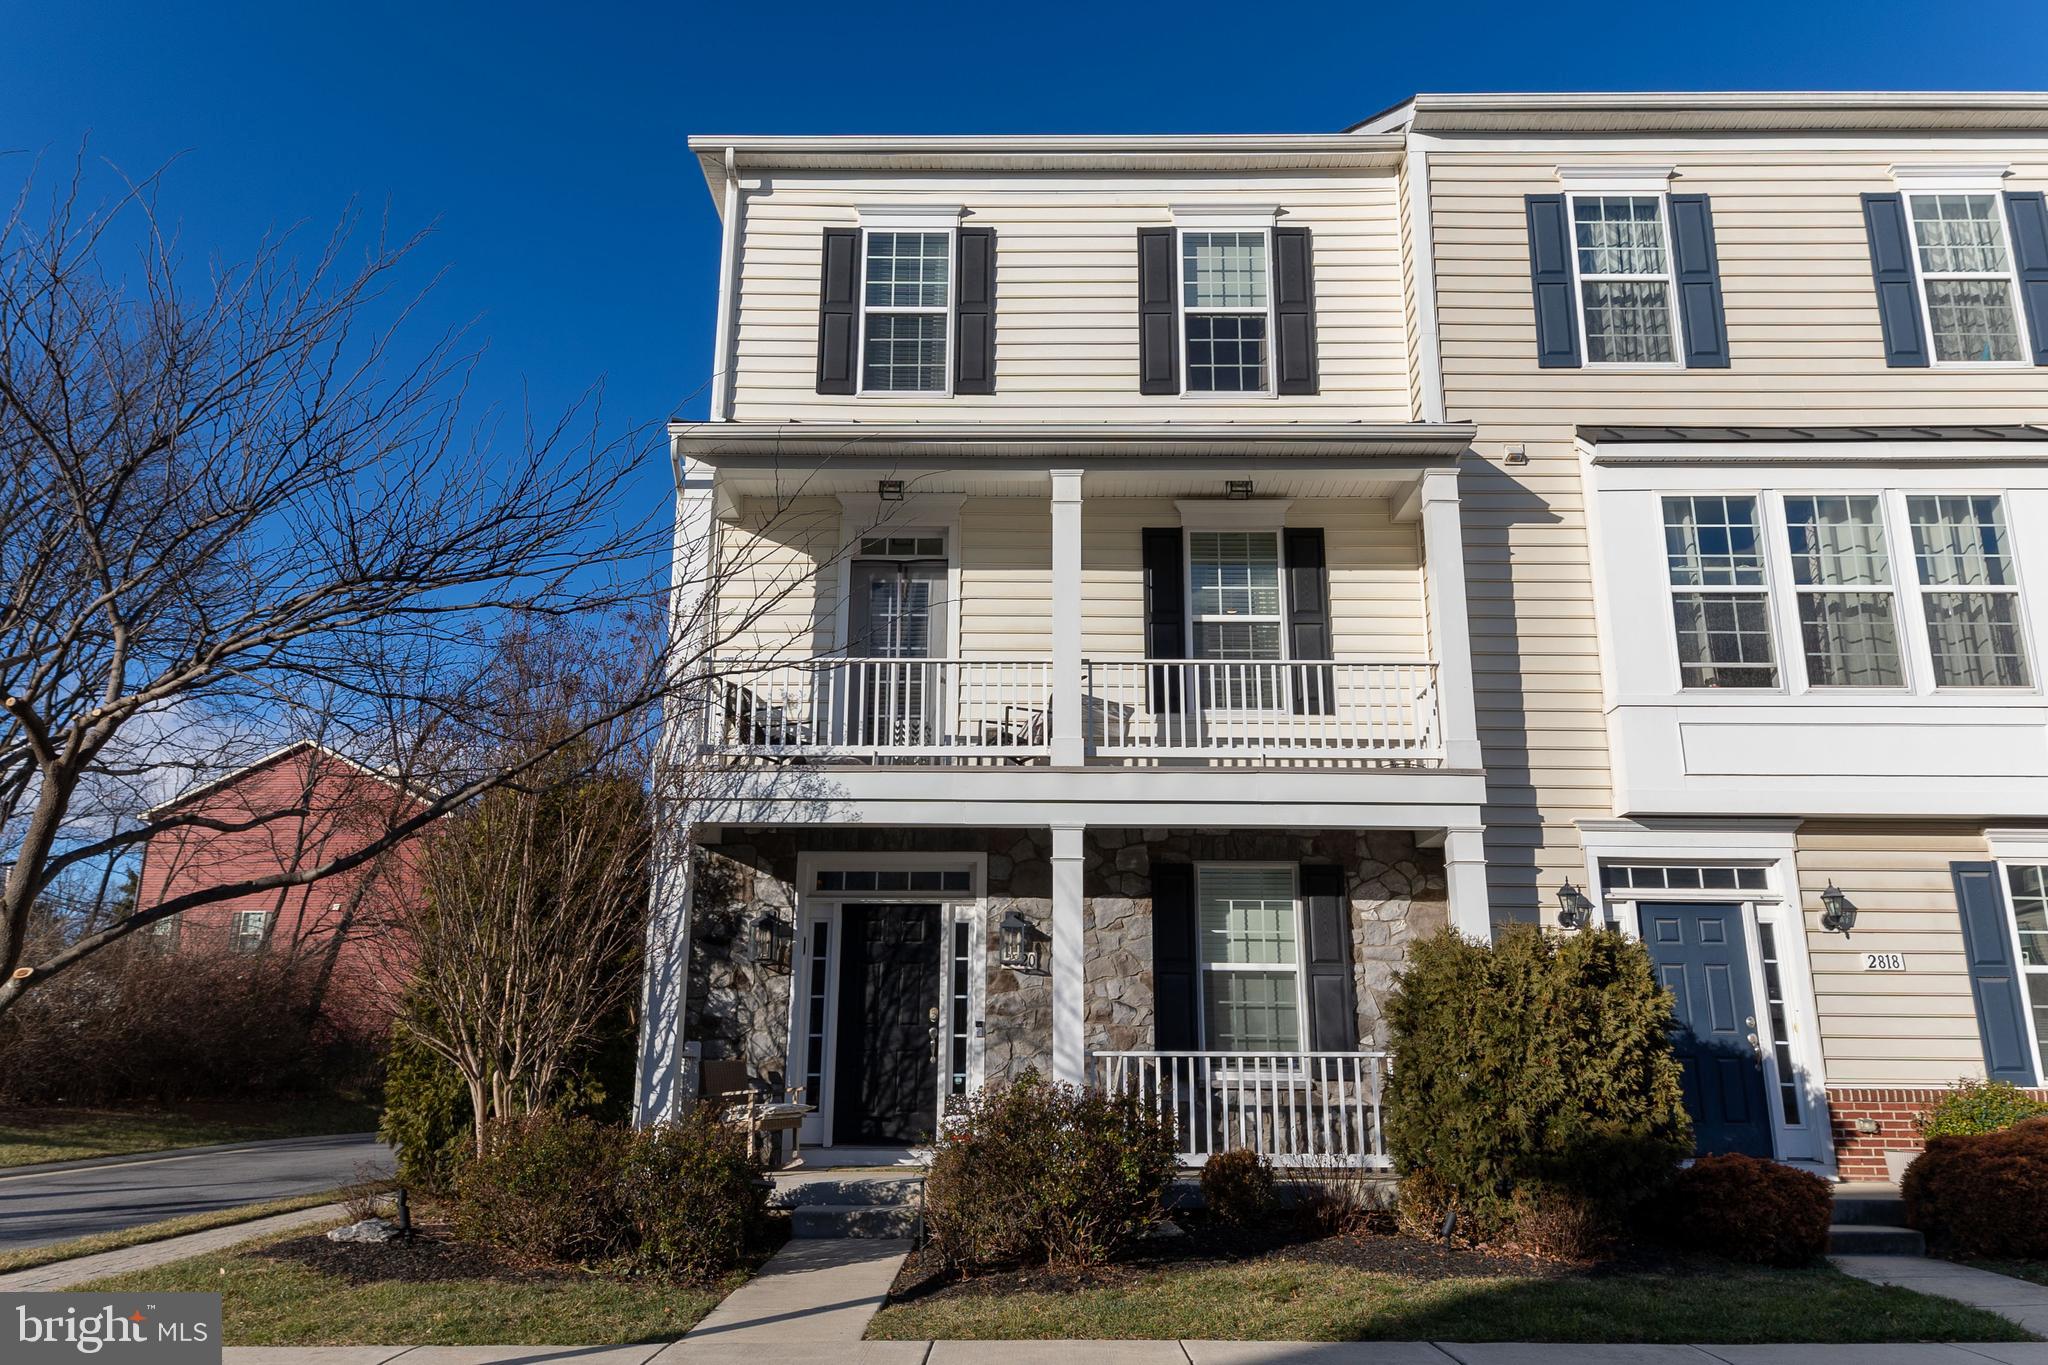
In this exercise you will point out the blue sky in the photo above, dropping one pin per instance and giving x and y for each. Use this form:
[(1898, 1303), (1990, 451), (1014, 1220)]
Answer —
[(546, 142)]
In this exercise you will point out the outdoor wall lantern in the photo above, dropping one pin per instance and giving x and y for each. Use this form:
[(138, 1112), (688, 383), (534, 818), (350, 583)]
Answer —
[(890, 490), (772, 941), (1574, 911), (1239, 490), (1020, 947), (1837, 913)]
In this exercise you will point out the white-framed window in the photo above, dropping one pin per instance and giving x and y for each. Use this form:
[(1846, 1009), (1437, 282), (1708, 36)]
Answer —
[(1720, 592), (1621, 251), (1248, 922), (2026, 887), (1968, 292), (1842, 584), (1969, 589), (1235, 613), (1226, 310), (906, 299), (250, 929)]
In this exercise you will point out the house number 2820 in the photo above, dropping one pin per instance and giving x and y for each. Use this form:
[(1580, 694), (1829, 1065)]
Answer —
[(1884, 962)]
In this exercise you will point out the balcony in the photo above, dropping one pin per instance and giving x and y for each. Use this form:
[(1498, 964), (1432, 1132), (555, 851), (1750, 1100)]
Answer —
[(1135, 712)]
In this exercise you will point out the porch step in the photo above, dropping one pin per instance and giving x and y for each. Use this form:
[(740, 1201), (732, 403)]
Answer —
[(1879, 1210), (836, 1188), (1868, 1239), (854, 1220)]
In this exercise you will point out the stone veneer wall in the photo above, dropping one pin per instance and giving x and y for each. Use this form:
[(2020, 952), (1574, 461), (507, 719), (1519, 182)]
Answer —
[(736, 1010)]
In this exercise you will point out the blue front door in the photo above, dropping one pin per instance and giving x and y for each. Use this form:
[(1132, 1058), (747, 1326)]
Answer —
[(1702, 959)]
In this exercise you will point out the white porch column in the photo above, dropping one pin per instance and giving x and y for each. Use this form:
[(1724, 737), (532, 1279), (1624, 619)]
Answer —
[(1069, 743), (1450, 632), (1069, 985), (1465, 883), (663, 1089)]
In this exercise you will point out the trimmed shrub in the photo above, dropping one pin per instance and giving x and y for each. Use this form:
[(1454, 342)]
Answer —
[(1033, 1171), (1237, 1187), (1985, 1194), (1747, 1209), (1972, 1107), (693, 1197), (1538, 1064), (547, 1185)]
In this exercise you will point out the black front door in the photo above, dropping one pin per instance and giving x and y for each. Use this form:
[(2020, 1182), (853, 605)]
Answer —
[(885, 1080), (1702, 960)]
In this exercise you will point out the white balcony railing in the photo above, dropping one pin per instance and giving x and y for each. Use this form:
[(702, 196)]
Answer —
[(1263, 709), (883, 708), (1297, 1108)]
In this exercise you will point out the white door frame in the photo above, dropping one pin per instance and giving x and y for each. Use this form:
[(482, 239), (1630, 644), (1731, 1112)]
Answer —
[(815, 907)]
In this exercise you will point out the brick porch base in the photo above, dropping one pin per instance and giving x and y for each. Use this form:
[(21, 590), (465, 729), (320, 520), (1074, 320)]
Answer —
[(1860, 1155)]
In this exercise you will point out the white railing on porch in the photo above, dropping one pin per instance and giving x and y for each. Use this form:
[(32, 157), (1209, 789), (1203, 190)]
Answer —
[(883, 708), (1297, 1108), (1294, 708)]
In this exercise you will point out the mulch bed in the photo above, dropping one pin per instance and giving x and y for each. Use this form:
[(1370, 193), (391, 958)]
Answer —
[(1205, 1242), (433, 1255)]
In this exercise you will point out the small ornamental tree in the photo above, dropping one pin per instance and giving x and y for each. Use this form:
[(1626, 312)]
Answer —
[(1535, 1071)]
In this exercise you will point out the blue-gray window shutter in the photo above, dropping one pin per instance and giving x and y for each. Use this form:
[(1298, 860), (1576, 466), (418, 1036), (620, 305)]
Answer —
[(1332, 996), (974, 312), (1176, 1024), (1898, 295), (1699, 282), (1995, 985), (838, 312), (1294, 310), (1166, 613), (2029, 219), (1550, 279), (1158, 313), (1308, 618)]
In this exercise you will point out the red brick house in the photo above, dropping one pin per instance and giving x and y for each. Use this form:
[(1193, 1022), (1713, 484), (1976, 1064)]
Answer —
[(304, 805)]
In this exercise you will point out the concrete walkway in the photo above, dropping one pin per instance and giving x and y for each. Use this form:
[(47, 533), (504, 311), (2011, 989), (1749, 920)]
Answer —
[(817, 1291), (79, 1269), (2025, 1302), (1142, 1353)]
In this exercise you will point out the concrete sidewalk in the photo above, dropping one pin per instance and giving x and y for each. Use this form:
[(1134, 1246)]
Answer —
[(2023, 1301), (1142, 1353), (147, 1256)]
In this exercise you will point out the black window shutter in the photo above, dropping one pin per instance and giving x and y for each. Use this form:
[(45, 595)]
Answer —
[(1995, 983), (1550, 279), (1294, 309), (1332, 996), (1158, 313), (1891, 266), (1699, 282), (839, 311), (1176, 1026), (1166, 606), (2029, 219), (1308, 618), (974, 312)]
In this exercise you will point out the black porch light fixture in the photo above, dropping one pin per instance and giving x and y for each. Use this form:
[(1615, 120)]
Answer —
[(1837, 911), (1574, 911), (1238, 490), (890, 490), (1020, 945), (771, 940)]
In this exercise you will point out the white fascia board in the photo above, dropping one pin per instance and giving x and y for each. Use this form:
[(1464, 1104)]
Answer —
[(1652, 111)]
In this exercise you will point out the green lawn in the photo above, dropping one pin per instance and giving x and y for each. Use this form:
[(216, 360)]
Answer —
[(61, 1133), (1276, 1299), (268, 1301)]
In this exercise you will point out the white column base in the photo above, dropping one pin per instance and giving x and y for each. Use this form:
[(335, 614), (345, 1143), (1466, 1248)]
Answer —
[(1069, 956)]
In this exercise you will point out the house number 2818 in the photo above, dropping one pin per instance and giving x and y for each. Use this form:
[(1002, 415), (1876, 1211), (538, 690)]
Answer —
[(1884, 962)]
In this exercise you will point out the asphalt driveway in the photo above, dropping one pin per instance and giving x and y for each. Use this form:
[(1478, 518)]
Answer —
[(44, 1204)]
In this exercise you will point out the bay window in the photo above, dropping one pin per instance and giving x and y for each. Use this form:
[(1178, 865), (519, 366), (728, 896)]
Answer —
[(1841, 578), (1248, 927), (1720, 598)]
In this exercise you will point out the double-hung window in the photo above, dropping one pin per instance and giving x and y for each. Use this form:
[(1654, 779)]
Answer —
[(1966, 276), (906, 283), (1841, 577), (1235, 614), (1621, 249), (251, 927), (2028, 883), (1720, 598), (1226, 310), (1969, 592), (1248, 923)]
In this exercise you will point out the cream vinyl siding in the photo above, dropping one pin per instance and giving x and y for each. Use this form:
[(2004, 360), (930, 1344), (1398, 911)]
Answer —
[(1067, 292), (777, 580), (1916, 1027), (1006, 578), (1804, 336)]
